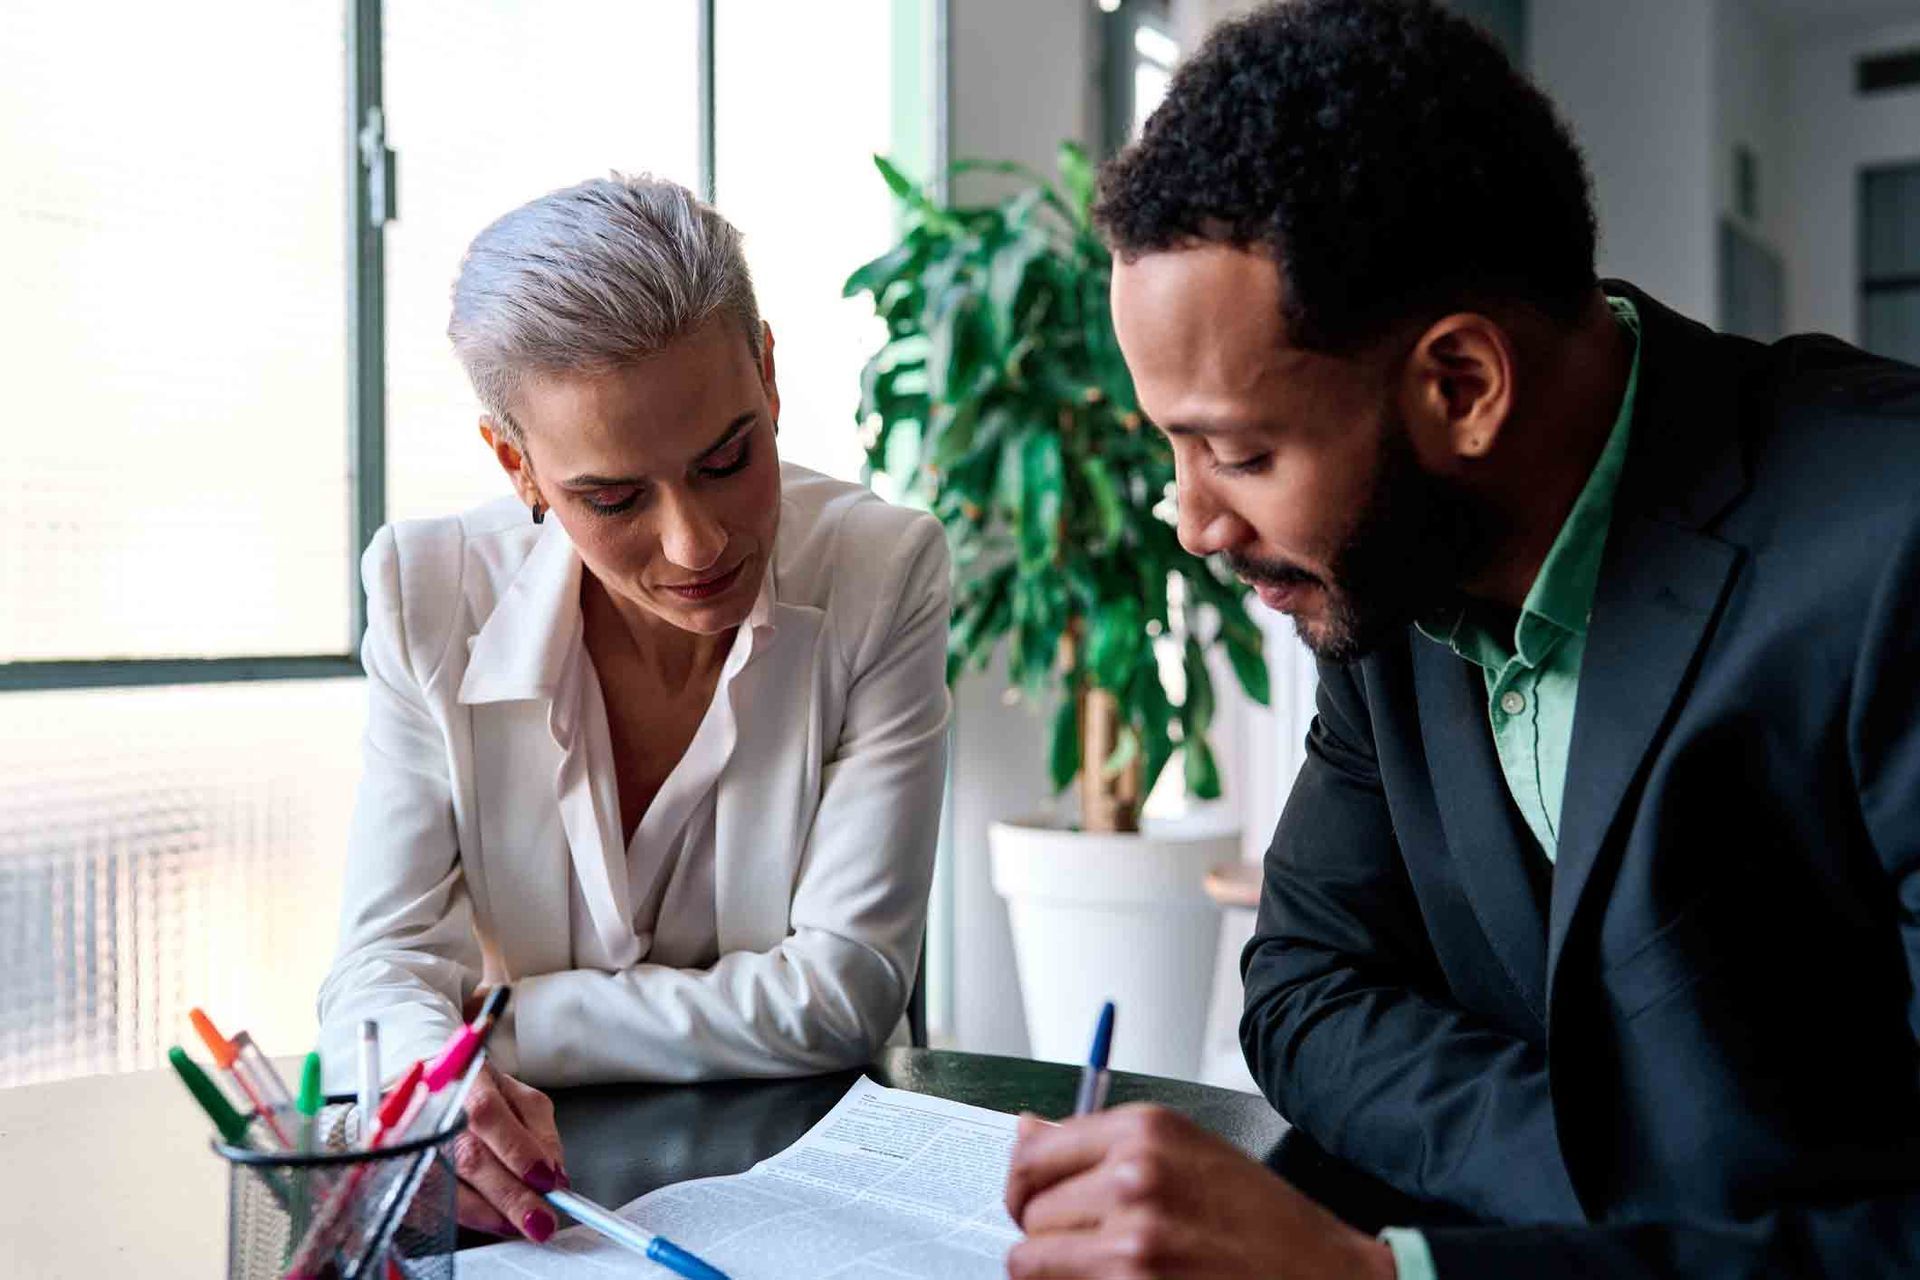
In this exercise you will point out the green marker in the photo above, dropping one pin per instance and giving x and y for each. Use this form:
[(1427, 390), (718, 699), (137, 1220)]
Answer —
[(231, 1125), (310, 1098), (308, 1105)]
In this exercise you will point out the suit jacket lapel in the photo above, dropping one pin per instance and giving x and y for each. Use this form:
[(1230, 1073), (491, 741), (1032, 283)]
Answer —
[(1661, 583), (1651, 613), (1488, 841)]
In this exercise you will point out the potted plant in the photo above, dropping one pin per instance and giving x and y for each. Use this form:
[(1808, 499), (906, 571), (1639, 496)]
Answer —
[(1001, 403)]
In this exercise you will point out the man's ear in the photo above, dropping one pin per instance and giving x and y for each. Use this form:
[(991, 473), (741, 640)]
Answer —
[(1459, 387), (512, 461)]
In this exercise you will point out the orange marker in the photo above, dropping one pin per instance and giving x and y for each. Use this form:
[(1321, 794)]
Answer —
[(243, 1063)]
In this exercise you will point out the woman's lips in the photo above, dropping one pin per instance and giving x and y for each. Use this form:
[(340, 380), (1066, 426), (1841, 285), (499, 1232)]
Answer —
[(706, 588)]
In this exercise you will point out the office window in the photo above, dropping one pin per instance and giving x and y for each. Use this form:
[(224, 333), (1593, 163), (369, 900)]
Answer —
[(1155, 53), (174, 334), (489, 106), (1138, 53), (802, 104), (176, 263), (1890, 262), (163, 848)]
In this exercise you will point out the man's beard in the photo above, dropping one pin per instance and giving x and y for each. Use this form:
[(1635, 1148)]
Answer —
[(1413, 541)]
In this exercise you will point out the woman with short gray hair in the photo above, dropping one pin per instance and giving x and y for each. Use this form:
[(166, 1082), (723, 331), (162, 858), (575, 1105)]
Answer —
[(658, 740)]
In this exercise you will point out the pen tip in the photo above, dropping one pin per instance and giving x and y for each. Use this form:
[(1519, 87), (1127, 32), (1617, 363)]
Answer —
[(1102, 1038), (218, 1045)]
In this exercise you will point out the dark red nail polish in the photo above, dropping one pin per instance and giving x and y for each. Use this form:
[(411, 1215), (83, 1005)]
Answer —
[(537, 1225), (566, 1183), (541, 1178)]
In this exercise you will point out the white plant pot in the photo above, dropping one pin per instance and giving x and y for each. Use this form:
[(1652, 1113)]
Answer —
[(1113, 917)]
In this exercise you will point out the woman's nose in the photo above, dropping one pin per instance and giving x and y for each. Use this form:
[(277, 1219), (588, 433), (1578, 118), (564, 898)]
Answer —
[(689, 536)]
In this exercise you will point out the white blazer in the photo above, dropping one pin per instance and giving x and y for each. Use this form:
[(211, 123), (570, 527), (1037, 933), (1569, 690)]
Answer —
[(462, 858)]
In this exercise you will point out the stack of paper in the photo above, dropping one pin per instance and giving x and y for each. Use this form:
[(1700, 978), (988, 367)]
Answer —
[(888, 1184)]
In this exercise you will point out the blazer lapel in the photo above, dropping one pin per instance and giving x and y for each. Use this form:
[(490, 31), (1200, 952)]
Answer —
[(759, 825), (1660, 588), (1652, 611), (1485, 835)]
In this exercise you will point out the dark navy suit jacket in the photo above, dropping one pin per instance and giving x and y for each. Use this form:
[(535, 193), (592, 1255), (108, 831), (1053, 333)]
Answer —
[(1688, 1047)]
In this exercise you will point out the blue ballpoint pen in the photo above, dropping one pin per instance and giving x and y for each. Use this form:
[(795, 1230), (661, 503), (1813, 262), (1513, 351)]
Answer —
[(620, 1231), (1093, 1076)]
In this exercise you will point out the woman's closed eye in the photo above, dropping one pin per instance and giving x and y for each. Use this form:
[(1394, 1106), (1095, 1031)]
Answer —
[(611, 501), (728, 459)]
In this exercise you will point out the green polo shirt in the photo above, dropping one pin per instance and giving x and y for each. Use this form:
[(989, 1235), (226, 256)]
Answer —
[(1533, 674)]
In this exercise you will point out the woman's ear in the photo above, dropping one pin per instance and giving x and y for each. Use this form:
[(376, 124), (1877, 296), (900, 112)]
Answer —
[(767, 379), (512, 461)]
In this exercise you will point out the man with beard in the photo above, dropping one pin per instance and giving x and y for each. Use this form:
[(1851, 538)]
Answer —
[(1591, 926)]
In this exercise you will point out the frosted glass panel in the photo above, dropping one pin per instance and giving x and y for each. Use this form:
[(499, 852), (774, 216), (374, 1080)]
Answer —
[(490, 105), (803, 103), (173, 335), (162, 848)]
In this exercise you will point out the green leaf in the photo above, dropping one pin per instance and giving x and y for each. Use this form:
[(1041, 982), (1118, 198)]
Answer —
[(1125, 751), (1076, 172), (1040, 498), (902, 186), (1203, 775), (1063, 755), (1106, 500), (1152, 713), (1249, 659), (1196, 713), (874, 276), (1114, 641), (1004, 278)]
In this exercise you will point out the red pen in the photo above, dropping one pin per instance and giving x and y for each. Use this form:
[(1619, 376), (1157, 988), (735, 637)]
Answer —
[(396, 1112)]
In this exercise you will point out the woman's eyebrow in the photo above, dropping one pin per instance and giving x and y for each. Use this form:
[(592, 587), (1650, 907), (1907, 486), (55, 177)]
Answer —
[(734, 428)]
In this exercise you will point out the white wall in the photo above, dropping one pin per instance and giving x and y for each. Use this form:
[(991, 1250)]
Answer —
[(1831, 134), (1023, 77), (1749, 78), (1632, 79)]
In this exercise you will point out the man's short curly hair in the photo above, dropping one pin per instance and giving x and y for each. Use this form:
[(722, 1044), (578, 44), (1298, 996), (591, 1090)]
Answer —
[(1385, 152)]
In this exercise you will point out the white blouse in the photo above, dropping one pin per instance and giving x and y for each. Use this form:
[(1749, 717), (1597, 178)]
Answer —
[(766, 917), (667, 888)]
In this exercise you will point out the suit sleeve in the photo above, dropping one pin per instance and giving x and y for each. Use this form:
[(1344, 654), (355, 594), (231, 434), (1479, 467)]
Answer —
[(1348, 1027), (408, 952), (828, 995), (1879, 1236)]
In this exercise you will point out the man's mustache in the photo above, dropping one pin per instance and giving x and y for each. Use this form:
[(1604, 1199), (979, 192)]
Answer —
[(1272, 573)]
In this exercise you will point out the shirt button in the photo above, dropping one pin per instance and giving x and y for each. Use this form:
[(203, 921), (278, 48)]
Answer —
[(1513, 702)]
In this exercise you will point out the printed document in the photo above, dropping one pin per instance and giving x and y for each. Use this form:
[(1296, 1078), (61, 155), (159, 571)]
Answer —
[(889, 1184)]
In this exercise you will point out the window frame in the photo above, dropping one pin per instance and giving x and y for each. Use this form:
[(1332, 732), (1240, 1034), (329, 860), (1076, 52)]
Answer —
[(1117, 60), (1870, 282), (371, 173)]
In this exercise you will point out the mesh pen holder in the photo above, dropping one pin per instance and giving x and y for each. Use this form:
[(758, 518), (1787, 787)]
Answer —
[(353, 1214)]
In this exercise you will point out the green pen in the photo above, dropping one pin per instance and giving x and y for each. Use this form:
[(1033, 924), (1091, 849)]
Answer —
[(308, 1105), (230, 1124)]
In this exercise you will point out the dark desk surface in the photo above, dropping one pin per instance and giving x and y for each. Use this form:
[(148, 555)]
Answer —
[(623, 1141)]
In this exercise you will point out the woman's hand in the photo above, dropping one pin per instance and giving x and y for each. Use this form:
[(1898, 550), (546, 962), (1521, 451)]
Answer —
[(506, 1157)]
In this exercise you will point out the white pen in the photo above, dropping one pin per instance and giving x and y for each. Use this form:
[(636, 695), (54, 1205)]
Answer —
[(369, 1072)]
